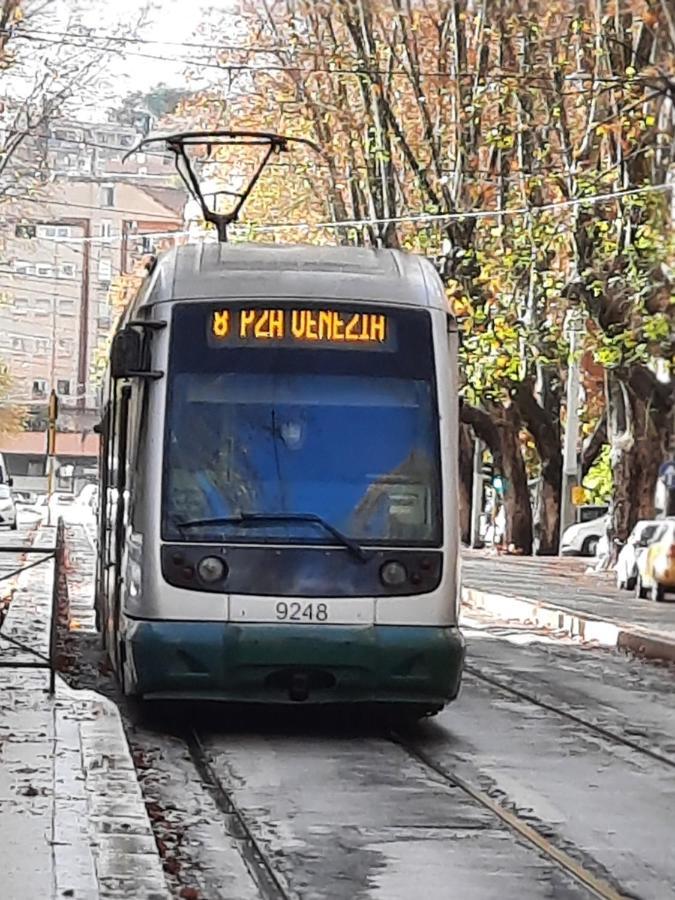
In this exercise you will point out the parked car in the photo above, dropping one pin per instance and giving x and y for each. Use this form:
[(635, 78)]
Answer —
[(583, 538), (63, 499), (627, 564), (7, 507), (656, 565), (37, 509), (24, 498), (590, 512)]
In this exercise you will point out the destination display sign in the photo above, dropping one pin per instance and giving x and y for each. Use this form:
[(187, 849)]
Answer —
[(302, 327)]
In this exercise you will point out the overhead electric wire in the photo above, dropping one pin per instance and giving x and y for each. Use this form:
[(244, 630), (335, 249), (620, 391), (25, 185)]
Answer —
[(415, 218), (473, 214), (110, 37), (138, 214), (358, 69)]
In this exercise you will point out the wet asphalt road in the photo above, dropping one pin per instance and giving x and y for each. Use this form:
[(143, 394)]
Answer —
[(338, 811), (349, 816)]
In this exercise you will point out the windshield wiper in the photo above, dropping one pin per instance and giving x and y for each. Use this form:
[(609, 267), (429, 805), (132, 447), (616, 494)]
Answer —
[(270, 518)]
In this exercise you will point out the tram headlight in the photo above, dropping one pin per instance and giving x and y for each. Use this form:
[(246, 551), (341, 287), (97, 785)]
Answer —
[(211, 569), (393, 574)]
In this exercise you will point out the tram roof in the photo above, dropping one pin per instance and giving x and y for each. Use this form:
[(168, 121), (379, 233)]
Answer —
[(209, 271)]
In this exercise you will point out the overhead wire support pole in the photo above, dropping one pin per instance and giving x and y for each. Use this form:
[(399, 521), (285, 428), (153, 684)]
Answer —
[(53, 400), (570, 473)]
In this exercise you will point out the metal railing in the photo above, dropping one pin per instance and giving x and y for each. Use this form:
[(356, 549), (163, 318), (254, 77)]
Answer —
[(38, 660)]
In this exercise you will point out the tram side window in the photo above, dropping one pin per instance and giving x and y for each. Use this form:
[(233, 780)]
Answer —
[(110, 484), (135, 449), (115, 471)]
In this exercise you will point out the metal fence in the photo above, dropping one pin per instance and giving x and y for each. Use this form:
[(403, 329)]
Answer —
[(37, 659)]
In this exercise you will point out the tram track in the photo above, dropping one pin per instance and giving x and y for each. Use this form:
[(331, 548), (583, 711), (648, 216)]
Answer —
[(271, 887), (600, 730), (256, 860), (595, 885)]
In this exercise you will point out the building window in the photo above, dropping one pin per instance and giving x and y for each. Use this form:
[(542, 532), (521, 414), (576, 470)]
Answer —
[(24, 268), (104, 270), (68, 270), (25, 231), (18, 344), (63, 387), (65, 345), (39, 389), (41, 345), (43, 270), (36, 467), (67, 307), (107, 195), (105, 228)]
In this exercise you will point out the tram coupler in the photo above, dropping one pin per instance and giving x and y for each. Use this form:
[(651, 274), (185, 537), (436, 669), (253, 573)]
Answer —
[(299, 687)]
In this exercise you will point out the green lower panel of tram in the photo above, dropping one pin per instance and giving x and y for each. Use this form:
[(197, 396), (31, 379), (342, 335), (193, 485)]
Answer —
[(419, 665)]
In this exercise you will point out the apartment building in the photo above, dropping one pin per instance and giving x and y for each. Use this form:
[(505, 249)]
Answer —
[(59, 258), (62, 248)]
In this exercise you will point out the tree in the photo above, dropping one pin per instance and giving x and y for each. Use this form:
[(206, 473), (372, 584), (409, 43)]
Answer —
[(505, 124), (139, 107), (49, 70)]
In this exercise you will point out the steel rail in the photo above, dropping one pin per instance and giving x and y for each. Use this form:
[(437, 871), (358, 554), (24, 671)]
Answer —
[(255, 859), (572, 717), (594, 884)]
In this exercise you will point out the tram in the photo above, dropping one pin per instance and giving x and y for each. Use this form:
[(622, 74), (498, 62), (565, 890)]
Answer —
[(279, 480)]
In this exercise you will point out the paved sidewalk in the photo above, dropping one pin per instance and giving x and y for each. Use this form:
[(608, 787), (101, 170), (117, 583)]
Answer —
[(562, 595), (72, 818)]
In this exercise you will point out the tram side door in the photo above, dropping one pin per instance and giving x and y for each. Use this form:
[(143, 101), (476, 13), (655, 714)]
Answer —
[(117, 521)]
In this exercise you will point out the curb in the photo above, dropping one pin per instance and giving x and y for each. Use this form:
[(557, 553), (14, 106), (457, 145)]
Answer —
[(96, 822), (610, 633), (123, 846), (122, 842)]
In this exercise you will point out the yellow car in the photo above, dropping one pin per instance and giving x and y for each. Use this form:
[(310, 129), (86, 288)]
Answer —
[(656, 564)]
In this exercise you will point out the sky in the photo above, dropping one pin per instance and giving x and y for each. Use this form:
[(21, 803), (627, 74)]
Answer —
[(172, 21), (156, 57)]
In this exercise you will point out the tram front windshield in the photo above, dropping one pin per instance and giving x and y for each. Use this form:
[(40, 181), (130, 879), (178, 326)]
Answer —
[(291, 424)]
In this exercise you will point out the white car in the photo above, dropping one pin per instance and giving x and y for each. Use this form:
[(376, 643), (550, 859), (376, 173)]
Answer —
[(7, 507), (583, 538), (627, 564)]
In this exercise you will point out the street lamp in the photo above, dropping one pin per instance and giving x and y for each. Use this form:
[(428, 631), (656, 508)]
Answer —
[(573, 327)]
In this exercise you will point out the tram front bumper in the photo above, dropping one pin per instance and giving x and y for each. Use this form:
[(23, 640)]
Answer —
[(291, 663)]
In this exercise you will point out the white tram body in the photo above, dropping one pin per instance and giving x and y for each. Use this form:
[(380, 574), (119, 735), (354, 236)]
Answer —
[(279, 513)]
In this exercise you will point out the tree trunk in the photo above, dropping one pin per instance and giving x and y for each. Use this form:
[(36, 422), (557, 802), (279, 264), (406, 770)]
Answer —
[(636, 466), (542, 420), (466, 449), (516, 495), (640, 426), (548, 506)]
